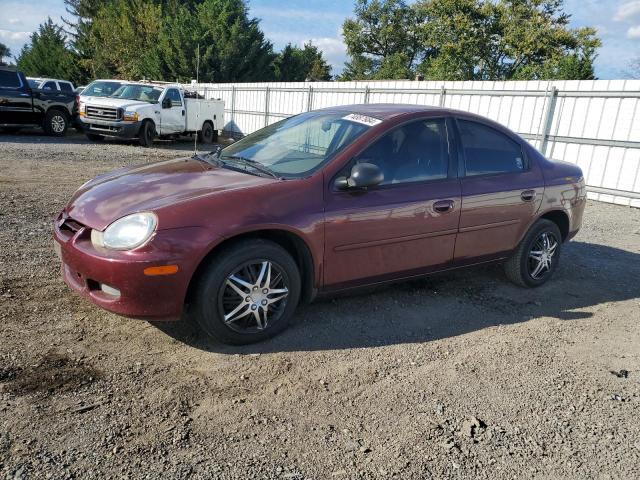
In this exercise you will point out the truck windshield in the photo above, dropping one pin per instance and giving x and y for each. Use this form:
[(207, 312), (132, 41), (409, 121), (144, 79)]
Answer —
[(144, 93), (300, 145), (101, 89)]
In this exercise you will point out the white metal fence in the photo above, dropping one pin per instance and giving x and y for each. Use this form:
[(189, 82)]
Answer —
[(594, 124)]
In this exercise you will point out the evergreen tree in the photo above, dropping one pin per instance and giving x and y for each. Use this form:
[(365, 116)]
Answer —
[(295, 64), (47, 54)]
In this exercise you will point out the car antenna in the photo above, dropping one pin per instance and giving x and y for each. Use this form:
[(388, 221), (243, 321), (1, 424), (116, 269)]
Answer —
[(195, 139)]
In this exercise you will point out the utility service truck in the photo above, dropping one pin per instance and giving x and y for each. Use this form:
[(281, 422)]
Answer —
[(145, 111)]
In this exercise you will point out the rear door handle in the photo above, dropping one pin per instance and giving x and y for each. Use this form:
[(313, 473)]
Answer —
[(528, 195), (443, 206)]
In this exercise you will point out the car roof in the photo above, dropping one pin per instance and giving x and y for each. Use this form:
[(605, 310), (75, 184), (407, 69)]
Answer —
[(384, 111)]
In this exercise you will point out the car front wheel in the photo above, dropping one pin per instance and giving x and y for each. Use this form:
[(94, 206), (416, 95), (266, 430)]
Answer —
[(248, 293), (537, 256)]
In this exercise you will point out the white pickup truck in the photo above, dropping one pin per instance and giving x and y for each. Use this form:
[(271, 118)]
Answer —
[(145, 111)]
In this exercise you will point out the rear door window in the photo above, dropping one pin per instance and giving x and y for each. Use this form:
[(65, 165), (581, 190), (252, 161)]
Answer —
[(9, 79), (488, 151)]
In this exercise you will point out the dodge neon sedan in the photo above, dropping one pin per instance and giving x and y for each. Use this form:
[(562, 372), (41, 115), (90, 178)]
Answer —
[(324, 201)]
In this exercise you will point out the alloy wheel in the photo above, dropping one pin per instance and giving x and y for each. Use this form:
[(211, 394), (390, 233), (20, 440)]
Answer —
[(57, 123), (254, 296), (542, 255)]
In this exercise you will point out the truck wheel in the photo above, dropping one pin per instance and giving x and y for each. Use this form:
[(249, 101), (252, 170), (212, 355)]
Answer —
[(95, 138), (207, 134), (147, 134), (56, 123)]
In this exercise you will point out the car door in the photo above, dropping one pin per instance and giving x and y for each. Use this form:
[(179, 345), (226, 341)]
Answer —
[(501, 192), (15, 99), (406, 225), (173, 113)]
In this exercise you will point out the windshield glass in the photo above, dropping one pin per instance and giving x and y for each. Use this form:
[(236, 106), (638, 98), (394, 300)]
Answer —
[(298, 146), (144, 93), (35, 84), (101, 89)]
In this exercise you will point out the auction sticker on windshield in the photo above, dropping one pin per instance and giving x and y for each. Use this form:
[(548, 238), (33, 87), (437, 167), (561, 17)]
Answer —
[(364, 119)]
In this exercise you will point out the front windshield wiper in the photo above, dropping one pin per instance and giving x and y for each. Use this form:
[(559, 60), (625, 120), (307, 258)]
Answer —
[(257, 165), (212, 158)]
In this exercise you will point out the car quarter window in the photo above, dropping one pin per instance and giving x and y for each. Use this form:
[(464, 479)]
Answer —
[(488, 151), (174, 96), (414, 152)]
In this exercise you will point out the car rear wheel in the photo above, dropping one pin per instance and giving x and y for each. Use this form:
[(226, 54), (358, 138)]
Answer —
[(147, 134), (207, 134), (537, 256), (248, 293), (56, 123), (95, 138)]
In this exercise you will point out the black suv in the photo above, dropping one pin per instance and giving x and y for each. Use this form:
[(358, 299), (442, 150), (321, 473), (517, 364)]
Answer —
[(20, 105)]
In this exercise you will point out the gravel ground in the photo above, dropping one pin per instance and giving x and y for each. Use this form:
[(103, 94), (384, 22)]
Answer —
[(456, 376)]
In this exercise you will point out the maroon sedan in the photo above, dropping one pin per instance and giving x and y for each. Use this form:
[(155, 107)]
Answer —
[(324, 201)]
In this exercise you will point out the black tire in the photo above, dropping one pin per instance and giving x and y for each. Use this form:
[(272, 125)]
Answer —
[(207, 134), (147, 134), (521, 265), (56, 123), (11, 130), (212, 295), (94, 137)]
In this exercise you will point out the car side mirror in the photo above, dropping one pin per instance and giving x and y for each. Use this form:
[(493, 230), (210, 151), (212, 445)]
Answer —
[(166, 103), (363, 175)]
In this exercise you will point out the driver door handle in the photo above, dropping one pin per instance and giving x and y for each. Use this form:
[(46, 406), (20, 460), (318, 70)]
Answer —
[(443, 206)]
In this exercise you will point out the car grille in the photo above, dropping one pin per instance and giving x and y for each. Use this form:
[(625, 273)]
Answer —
[(103, 113)]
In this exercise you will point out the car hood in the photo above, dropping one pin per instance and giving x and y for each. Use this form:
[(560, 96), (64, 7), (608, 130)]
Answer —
[(113, 102), (109, 197)]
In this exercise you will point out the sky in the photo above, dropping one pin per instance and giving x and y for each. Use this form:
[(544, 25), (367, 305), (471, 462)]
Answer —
[(320, 21)]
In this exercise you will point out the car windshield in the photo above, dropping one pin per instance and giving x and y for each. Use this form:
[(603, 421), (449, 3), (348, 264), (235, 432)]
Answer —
[(300, 145), (35, 84), (101, 89), (144, 93)]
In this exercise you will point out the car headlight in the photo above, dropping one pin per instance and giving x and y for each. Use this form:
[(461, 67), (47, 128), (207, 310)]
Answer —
[(130, 116), (126, 233)]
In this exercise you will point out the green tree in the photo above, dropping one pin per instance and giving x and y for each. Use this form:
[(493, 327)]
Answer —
[(295, 64), (4, 52), (381, 40), (179, 39), (47, 54), (82, 13), (124, 40), (235, 49), (467, 40)]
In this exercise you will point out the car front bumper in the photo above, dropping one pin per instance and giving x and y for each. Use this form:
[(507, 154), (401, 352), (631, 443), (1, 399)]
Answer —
[(86, 269), (110, 129)]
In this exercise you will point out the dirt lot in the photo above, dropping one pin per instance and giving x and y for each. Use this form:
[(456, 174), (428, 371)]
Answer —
[(461, 375)]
